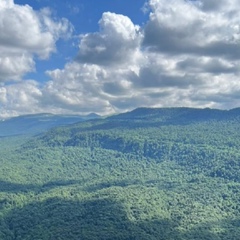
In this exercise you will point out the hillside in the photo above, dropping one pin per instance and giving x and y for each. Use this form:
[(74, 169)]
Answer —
[(155, 174)]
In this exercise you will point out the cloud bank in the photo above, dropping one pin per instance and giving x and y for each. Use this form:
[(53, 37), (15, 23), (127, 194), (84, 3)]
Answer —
[(26, 34), (186, 54)]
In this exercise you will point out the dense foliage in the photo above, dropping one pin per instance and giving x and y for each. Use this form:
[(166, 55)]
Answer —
[(148, 174)]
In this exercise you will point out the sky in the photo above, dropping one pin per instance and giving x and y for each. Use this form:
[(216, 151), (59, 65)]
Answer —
[(111, 56)]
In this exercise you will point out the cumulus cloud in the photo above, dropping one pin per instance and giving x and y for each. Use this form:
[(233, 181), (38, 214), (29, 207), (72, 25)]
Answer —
[(13, 65), (208, 65), (117, 40), (22, 97), (181, 27), (77, 87), (187, 54), (26, 33)]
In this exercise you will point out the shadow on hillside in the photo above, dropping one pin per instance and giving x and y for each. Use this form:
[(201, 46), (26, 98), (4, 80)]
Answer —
[(16, 187), (103, 219), (225, 229), (109, 184), (97, 219)]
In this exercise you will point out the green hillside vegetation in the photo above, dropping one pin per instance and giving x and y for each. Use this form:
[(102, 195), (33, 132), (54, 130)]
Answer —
[(148, 174)]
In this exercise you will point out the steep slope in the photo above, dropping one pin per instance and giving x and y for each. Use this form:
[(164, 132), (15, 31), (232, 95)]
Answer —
[(203, 139)]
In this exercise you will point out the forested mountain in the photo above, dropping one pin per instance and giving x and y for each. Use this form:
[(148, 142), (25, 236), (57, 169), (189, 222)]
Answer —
[(36, 123), (179, 115), (168, 173)]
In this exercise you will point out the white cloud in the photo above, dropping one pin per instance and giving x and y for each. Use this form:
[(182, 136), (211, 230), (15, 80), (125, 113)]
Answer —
[(6, 3), (180, 27), (14, 65), (26, 33), (187, 54), (77, 88), (117, 40), (22, 97)]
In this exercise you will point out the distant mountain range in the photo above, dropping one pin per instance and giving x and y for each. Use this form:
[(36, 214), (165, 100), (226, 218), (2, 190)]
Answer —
[(140, 117), (36, 123)]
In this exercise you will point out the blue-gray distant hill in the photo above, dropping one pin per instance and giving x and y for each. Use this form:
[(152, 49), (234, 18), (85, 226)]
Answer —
[(36, 123)]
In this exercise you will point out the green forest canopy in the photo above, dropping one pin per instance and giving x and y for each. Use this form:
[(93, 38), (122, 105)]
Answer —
[(146, 174)]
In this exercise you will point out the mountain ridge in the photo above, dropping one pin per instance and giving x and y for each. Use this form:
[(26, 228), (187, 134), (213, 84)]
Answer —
[(139, 117), (123, 131), (179, 111)]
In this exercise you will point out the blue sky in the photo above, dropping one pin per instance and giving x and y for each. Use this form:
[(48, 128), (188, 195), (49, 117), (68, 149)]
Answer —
[(110, 56), (84, 16)]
